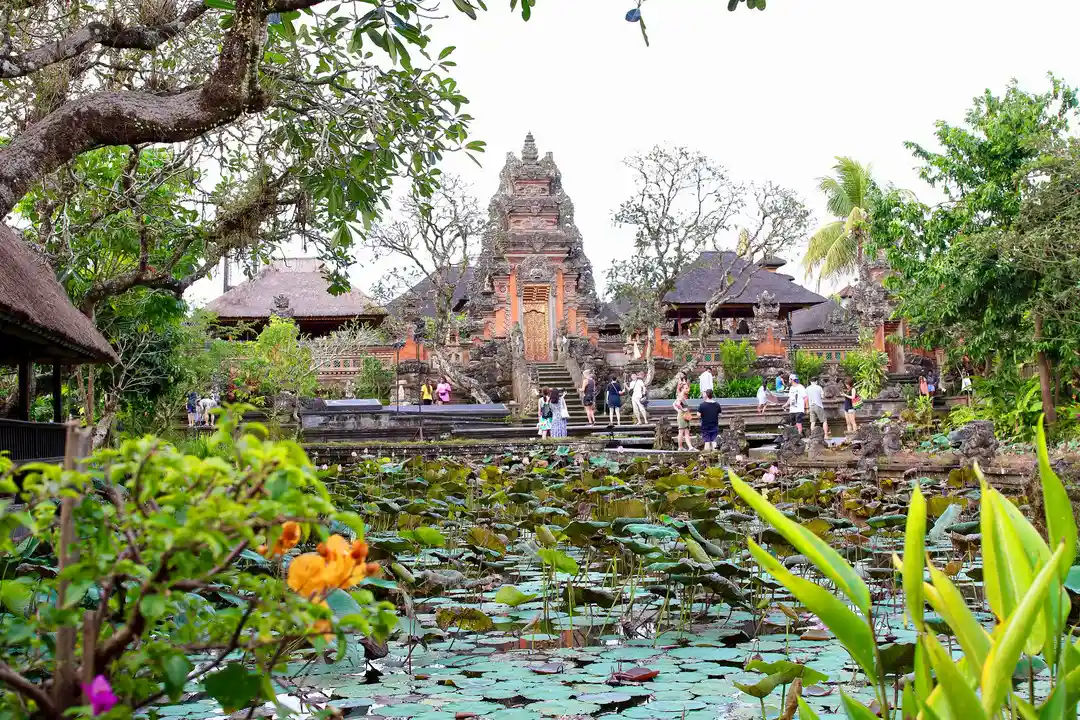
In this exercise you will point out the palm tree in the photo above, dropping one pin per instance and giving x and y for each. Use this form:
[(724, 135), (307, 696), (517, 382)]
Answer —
[(837, 248)]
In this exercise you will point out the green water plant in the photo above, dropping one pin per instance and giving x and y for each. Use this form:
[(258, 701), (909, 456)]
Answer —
[(1023, 575)]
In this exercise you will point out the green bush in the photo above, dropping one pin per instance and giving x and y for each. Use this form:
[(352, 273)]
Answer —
[(374, 380), (740, 387), (736, 358), (1024, 577), (867, 367), (807, 365), (163, 556)]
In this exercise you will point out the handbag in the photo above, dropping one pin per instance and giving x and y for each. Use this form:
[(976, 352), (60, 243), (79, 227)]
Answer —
[(856, 402), (564, 412)]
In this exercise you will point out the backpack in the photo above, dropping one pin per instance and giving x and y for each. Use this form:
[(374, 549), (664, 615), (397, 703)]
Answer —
[(545, 411)]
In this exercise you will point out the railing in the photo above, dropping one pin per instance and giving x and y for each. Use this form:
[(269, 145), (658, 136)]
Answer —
[(347, 367), (24, 441)]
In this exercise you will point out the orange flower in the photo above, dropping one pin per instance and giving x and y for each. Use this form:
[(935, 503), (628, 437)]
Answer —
[(290, 535), (334, 564), (306, 575)]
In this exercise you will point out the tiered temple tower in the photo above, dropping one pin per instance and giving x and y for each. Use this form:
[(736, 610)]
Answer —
[(532, 267)]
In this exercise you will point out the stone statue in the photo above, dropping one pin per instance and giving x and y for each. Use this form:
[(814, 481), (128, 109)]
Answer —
[(890, 392), (817, 445), (732, 442), (792, 445), (766, 317), (975, 441), (893, 439), (281, 306), (871, 447), (834, 385)]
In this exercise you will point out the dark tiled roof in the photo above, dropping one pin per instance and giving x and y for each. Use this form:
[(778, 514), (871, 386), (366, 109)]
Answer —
[(424, 291), (35, 308), (300, 280), (697, 283), (815, 318), (609, 314)]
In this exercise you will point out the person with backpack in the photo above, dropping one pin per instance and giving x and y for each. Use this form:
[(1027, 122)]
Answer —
[(545, 414), (614, 401)]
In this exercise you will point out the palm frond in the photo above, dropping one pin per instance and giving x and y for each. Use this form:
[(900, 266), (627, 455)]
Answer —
[(821, 243), (836, 199)]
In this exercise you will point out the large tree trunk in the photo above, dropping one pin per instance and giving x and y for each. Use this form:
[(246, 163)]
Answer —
[(1045, 376), (443, 366)]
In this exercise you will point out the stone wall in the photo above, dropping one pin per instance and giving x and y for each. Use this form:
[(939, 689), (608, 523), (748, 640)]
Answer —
[(491, 364)]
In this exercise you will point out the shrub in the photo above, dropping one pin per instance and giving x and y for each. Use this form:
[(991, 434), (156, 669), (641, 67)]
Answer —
[(740, 387), (866, 366), (807, 365), (374, 380), (1024, 577), (163, 551), (736, 358)]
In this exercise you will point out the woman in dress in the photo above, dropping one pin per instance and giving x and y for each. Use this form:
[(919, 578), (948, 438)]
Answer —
[(683, 416), (559, 413), (544, 414), (614, 401)]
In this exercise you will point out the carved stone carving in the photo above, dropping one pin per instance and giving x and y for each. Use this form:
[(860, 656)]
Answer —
[(532, 222), (732, 441), (841, 321), (281, 306), (817, 446), (893, 439), (871, 447), (530, 189), (976, 441), (792, 445), (766, 317), (535, 268), (891, 392), (834, 385), (870, 298)]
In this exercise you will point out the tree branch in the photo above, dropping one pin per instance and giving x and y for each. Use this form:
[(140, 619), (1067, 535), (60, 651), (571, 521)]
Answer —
[(21, 685)]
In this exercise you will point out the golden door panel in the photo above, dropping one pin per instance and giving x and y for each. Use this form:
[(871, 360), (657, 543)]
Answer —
[(536, 332)]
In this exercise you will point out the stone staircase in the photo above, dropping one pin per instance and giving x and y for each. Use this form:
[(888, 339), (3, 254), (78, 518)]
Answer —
[(554, 375)]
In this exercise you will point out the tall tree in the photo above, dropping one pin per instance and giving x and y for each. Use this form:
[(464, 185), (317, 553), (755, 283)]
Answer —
[(836, 248), (435, 239), (952, 275)]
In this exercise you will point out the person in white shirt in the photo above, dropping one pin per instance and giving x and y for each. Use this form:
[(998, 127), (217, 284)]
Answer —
[(797, 402), (205, 406), (965, 385), (705, 382), (637, 400), (762, 399), (815, 397)]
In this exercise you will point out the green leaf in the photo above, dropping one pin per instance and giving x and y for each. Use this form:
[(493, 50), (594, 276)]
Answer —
[(827, 560), (510, 595), (766, 685), (854, 709), (342, 603), (559, 560), (220, 4), (234, 687), (152, 606), (852, 631), (466, 7), (806, 712), (1005, 653), (959, 697), (429, 537), (464, 618), (17, 594), (446, 52), (809, 675), (1060, 523), (949, 603), (175, 667), (914, 547)]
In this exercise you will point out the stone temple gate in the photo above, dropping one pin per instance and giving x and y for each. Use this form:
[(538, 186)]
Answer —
[(532, 267)]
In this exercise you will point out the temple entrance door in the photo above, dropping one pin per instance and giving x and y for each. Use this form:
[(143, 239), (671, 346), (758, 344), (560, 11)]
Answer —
[(534, 315)]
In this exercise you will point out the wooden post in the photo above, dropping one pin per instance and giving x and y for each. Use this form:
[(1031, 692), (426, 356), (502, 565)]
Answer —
[(57, 395), (25, 401), (66, 679)]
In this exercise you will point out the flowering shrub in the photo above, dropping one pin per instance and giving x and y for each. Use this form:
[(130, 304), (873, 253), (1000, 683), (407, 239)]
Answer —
[(171, 556)]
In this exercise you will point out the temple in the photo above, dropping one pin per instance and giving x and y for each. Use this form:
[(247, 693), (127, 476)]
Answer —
[(530, 299)]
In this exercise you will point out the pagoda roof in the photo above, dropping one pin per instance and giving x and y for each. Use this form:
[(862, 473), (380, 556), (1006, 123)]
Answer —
[(696, 284), (36, 317), (424, 292), (302, 282)]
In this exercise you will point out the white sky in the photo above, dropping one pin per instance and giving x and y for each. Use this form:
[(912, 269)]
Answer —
[(772, 95)]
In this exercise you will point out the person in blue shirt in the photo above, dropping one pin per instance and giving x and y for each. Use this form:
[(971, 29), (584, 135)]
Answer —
[(780, 384)]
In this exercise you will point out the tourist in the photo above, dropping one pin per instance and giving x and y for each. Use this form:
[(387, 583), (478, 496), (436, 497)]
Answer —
[(638, 395), (797, 402), (442, 391), (780, 384), (924, 387), (425, 393), (709, 412), (683, 415), (588, 396), (705, 382), (815, 397), (192, 408), (544, 414), (614, 401), (931, 384), (850, 399), (559, 413), (965, 384), (205, 406), (762, 398)]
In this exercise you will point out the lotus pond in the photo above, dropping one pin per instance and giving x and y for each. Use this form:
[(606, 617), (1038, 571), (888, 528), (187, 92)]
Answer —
[(555, 585)]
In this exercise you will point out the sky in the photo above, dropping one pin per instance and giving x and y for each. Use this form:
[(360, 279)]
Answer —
[(773, 95)]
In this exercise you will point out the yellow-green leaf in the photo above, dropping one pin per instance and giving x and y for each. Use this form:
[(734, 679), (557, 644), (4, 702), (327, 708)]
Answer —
[(854, 709), (827, 560), (851, 630), (949, 603), (959, 697), (1060, 524), (914, 547), (1015, 583), (1005, 652), (805, 711)]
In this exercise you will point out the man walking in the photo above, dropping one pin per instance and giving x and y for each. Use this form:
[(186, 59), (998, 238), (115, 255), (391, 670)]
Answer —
[(815, 397), (797, 402), (637, 400)]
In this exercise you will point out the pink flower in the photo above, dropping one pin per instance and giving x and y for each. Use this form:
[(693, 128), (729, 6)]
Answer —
[(100, 694)]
